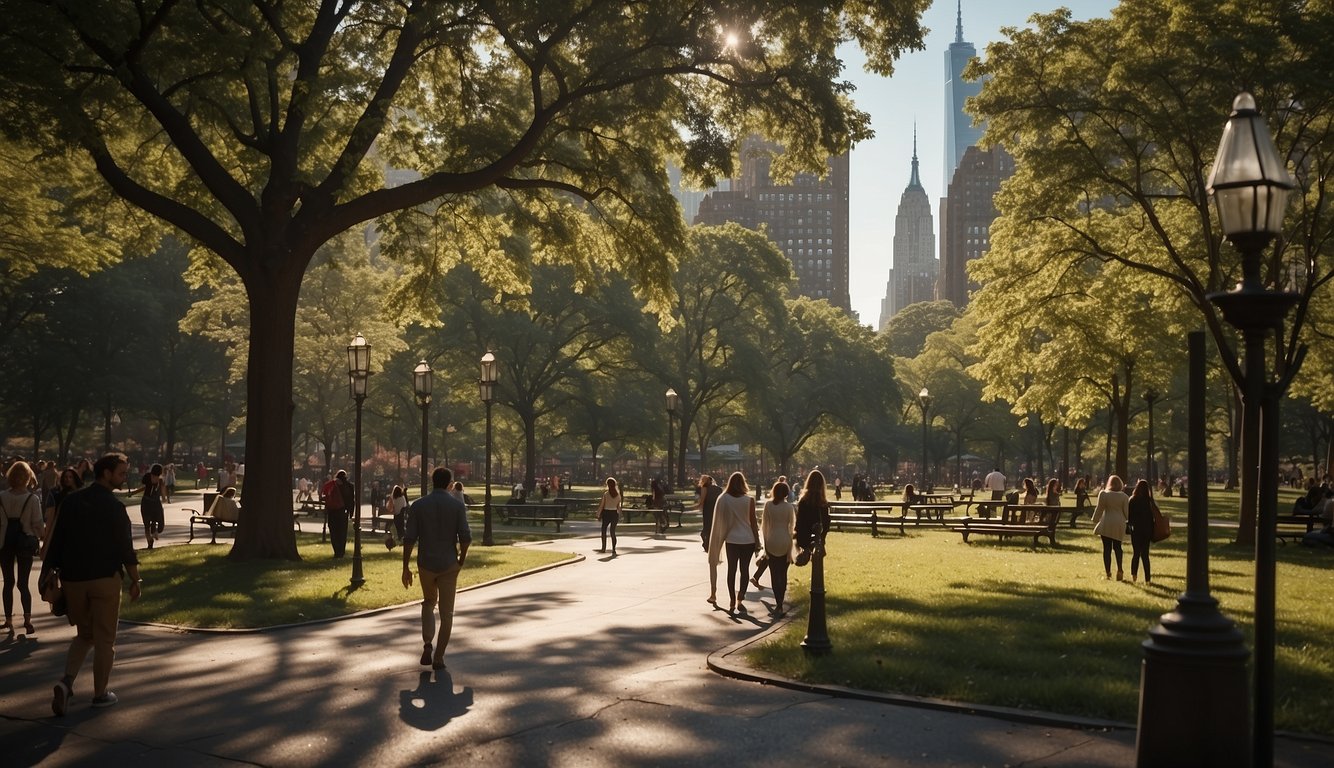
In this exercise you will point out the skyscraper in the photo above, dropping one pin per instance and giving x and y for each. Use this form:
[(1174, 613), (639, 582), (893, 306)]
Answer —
[(913, 277), (960, 133), (807, 219), (966, 216)]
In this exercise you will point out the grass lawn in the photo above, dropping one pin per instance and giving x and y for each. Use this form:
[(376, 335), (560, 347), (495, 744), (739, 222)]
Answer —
[(195, 585), (1005, 624)]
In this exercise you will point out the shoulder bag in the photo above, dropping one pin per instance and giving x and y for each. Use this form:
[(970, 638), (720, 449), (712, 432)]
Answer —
[(1162, 524)]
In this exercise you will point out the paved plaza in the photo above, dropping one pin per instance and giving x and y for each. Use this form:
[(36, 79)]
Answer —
[(604, 662)]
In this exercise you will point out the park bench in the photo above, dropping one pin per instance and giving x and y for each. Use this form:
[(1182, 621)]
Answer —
[(1294, 527), (534, 513), (674, 507), (1034, 520), (876, 514), (214, 524)]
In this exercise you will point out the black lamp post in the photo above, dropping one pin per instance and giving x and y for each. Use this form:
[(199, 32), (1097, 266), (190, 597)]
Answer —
[(1150, 397), (358, 376), (422, 377), (924, 400), (672, 400), (487, 387), (1250, 185), (816, 642)]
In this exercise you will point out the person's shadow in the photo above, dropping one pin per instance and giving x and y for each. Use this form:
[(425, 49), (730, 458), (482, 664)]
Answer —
[(434, 702)]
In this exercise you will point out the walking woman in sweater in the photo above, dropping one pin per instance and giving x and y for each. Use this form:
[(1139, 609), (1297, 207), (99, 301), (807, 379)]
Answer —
[(736, 530), (778, 526), (1140, 515), (609, 512), (1109, 522)]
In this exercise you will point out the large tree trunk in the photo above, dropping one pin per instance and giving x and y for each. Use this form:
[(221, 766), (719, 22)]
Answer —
[(529, 451), (265, 529)]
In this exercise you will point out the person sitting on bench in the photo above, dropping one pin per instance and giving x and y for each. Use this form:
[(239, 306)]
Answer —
[(225, 507)]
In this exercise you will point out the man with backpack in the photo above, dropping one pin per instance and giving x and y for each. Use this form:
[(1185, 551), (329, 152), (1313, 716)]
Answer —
[(338, 495)]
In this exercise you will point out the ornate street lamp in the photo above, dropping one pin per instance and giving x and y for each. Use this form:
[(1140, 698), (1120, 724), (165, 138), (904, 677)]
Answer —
[(672, 400), (1250, 185), (422, 377), (487, 387), (358, 375), (924, 400), (1150, 397)]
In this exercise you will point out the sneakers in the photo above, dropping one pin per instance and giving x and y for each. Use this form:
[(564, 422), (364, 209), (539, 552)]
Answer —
[(60, 699), (105, 700)]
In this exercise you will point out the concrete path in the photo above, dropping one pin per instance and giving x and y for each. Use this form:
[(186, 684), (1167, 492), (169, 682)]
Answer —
[(599, 663)]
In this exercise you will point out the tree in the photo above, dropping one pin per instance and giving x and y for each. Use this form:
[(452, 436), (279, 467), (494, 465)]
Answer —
[(1113, 124), (261, 130), (906, 332)]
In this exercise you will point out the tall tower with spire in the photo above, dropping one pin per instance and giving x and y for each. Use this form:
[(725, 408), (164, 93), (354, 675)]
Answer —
[(960, 133), (913, 276)]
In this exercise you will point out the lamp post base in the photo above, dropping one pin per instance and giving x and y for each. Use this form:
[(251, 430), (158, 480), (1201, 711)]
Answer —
[(1194, 698)]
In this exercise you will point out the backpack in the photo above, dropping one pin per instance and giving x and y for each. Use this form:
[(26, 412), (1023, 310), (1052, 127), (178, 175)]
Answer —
[(333, 499)]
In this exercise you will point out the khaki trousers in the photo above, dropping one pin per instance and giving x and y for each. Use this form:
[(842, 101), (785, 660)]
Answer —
[(94, 607), (438, 589)]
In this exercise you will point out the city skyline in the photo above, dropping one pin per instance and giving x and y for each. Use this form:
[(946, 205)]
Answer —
[(915, 93)]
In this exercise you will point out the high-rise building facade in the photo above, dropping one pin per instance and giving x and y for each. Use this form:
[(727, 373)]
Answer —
[(960, 133), (913, 277), (688, 198), (807, 219), (966, 216)]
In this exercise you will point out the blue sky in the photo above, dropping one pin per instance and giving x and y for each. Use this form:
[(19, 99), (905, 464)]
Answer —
[(916, 92)]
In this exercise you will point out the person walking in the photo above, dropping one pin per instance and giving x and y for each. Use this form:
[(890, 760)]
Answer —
[(20, 521), (736, 530), (709, 492), (995, 482), (1140, 517), (336, 502), (609, 512), (812, 516), (69, 483), (1081, 499), (658, 503), (439, 523), (91, 545), (397, 507), (1109, 522), (154, 490), (778, 526)]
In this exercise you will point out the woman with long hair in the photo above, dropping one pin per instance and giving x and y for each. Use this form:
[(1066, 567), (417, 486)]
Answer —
[(1140, 517), (1030, 492), (1053, 493), (154, 492), (812, 515), (736, 530), (708, 499), (20, 518), (398, 509), (1109, 522), (777, 527), (609, 512), (68, 483), (1081, 499)]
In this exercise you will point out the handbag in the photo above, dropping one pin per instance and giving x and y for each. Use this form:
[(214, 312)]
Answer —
[(1162, 525), (52, 591)]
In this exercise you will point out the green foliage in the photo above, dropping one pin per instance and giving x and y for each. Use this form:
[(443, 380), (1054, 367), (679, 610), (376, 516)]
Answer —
[(907, 331)]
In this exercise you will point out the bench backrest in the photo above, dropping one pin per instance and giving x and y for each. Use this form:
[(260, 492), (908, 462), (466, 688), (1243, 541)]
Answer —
[(1031, 514)]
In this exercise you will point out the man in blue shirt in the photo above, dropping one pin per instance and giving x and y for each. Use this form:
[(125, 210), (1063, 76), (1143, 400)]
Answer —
[(437, 522)]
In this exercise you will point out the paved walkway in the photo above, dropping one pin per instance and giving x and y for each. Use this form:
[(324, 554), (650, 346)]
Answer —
[(599, 663)]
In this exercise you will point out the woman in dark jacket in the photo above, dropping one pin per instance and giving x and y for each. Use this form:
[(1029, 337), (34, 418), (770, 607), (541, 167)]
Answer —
[(709, 492), (1141, 530), (812, 515)]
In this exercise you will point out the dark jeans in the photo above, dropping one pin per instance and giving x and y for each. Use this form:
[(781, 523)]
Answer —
[(609, 519), (1108, 547), (8, 561), (337, 519), (1139, 552), (778, 579), (150, 510), (738, 559)]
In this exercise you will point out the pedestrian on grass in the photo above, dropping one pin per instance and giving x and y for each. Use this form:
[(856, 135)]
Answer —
[(337, 494), (1140, 518), (609, 512), (1109, 522), (91, 545), (439, 523), (736, 530), (812, 516)]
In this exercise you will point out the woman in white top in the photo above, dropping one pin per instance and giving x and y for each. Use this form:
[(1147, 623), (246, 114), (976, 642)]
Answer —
[(20, 513), (1109, 522), (398, 509), (609, 512), (777, 527), (734, 528)]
